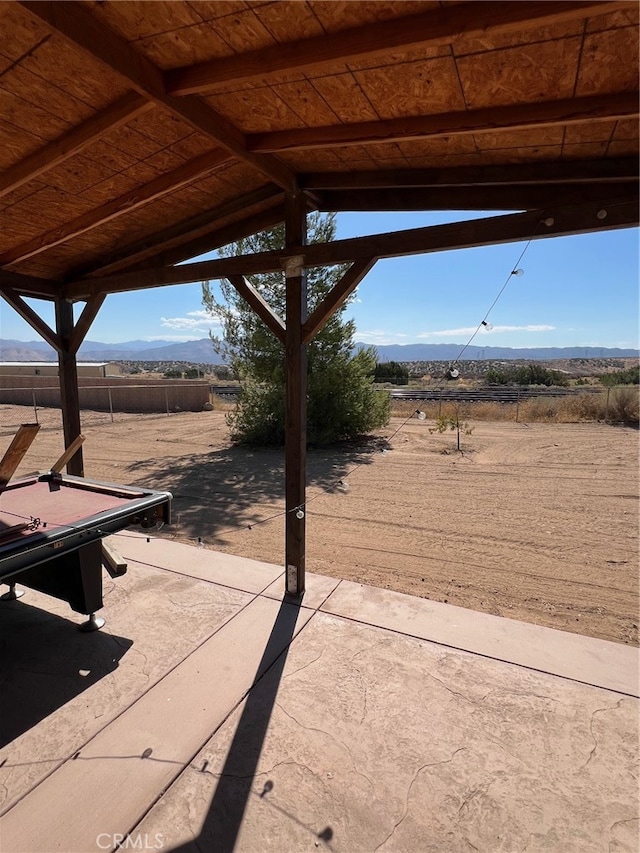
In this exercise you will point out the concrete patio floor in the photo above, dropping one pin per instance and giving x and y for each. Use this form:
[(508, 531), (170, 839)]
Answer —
[(210, 714)]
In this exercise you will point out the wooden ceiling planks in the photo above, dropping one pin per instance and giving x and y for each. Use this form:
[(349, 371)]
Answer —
[(609, 62), (344, 64), (542, 72), (415, 88), (374, 37)]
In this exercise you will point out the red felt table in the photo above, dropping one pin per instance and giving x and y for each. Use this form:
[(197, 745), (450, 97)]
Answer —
[(51, 531)]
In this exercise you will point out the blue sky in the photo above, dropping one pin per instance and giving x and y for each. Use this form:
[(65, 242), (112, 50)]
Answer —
[(575, 291)]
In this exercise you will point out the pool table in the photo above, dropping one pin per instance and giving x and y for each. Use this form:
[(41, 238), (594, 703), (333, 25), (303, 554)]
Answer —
[(51, 530)]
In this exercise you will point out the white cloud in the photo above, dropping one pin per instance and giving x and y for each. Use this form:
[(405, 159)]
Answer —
[(195, 321), (176, 338), (379, 337), (469, 330)]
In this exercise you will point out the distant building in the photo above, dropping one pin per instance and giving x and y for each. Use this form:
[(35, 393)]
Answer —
[(50, 368)]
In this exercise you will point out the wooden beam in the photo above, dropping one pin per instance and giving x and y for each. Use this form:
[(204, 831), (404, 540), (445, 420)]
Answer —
[(426, 29), (336, 297), (510, 197), (568, 111), (181, 234), (80, 28), (16, 451), (27, 313), (295, 450), (89, 314), (508, 228), (261, 308), (73, 448), (30, 285), (222, 236), (557, 172), (73, 141), (159, 187), (69, 397), (112, 560)]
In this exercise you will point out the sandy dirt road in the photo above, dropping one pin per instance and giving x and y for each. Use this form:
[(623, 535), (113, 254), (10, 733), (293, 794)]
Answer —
[(538, 522)]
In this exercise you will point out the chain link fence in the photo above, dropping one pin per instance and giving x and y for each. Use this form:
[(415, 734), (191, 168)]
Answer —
[(100, 402)]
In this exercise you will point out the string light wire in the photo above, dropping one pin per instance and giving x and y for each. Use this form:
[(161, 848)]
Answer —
[(514, 272)]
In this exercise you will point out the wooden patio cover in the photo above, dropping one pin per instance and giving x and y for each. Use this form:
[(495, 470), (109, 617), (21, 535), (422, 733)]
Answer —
[(136, 135)]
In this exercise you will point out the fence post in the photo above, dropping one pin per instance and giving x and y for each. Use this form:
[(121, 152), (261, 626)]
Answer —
[(110, 403), (35, 407), (518, 406), (166, 399), (606, 408)]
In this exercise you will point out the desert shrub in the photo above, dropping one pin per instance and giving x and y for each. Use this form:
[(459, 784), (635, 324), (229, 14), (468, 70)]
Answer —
[(526, 374), (581, 407), (624, 405), (631, 376), (540, 409), (485, 410)]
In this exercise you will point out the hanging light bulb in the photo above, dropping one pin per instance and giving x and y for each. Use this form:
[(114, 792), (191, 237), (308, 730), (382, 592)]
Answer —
[(549, 221), (342, 486), (200, 542), (519, 273), (299, 514), (487, 326), (420, 415)]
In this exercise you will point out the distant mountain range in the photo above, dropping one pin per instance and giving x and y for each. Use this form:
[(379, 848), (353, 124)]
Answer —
[(451, 352), (202, 352), (198, 352)]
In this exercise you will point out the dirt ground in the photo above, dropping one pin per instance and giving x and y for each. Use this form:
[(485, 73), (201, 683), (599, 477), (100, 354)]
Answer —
[(534, 522)]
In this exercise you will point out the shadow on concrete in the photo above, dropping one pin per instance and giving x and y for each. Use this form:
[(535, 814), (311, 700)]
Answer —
[(222, 824), (45, 662), (237, 487)]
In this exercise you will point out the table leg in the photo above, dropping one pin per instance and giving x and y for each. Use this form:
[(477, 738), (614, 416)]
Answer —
[(13, 594), (93, 623)]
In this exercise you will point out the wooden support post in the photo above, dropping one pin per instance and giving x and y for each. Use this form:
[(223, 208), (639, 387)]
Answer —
[(296, 398), (68, 374)]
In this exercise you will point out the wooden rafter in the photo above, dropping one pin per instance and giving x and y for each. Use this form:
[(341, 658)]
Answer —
[(426, 29), (29, 315), (336, 297), (509, 228), (159, 187), (510, 197), (621, 169), (220, 237), (262, 308), (567, 111), (178, 242), (73, 141), (79, 27)]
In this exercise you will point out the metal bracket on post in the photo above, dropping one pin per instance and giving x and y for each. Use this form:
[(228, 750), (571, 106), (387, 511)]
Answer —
[(293, 266), (292, 580)]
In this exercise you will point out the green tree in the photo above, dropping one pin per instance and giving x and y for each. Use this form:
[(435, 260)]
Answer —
[(392, 371), (341, 400), (631, 376)]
